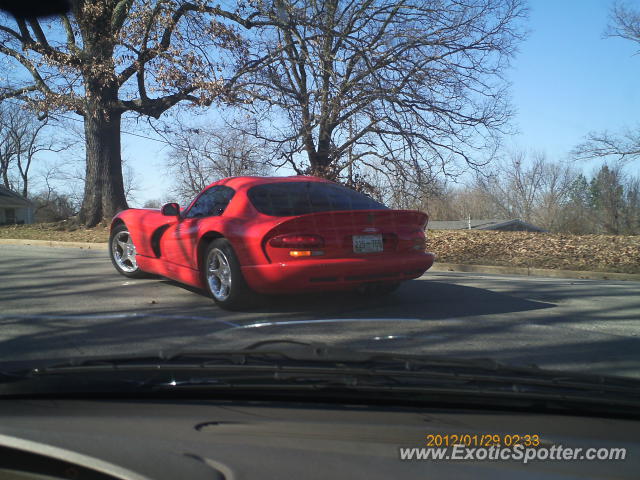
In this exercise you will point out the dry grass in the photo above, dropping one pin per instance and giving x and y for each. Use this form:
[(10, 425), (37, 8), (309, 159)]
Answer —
[(65, 231), (604, 253)]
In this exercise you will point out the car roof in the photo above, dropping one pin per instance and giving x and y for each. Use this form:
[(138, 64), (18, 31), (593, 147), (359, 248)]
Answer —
[(251, 181)]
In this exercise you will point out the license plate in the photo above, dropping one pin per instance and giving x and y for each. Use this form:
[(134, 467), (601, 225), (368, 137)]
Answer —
[(367, 243)]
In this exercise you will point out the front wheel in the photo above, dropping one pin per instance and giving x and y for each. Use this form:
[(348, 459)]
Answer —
[(223, 277), (123, 252)]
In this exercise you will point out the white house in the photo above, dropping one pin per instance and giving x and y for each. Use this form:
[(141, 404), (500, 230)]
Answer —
[(14, 208)]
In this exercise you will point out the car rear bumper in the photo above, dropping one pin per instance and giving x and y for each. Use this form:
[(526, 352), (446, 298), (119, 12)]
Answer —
[(335, 274)]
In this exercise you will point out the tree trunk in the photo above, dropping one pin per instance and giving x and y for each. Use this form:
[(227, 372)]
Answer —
[(104, 188), (321, 161)]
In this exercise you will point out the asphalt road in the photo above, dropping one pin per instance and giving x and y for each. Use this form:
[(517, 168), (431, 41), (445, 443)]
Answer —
[(63, 302)]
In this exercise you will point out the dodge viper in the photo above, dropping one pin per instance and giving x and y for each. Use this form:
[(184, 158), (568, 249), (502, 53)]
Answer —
[(273, 235)]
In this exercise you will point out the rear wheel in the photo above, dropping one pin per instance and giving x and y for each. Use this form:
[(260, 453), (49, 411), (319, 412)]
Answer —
[(223, 277), (123, 252)]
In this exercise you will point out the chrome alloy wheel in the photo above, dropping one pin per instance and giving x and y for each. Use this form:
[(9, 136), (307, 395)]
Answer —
[(218, 274), (124, 252)]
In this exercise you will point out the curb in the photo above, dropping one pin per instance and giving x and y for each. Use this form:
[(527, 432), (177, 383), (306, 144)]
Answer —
[(437, 267), (54, 244), (537, 272)]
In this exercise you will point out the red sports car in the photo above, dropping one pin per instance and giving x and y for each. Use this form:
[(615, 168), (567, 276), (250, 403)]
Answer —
[(273, 235)]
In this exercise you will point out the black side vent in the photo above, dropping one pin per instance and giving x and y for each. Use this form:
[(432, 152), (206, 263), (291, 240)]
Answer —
[(155, 240)]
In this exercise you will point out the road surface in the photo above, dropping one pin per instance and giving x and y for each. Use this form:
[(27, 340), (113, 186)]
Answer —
[(68, 302)]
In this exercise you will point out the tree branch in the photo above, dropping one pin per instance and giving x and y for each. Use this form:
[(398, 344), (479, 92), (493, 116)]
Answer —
[(155, 107), (40, 83), (71, 39), (18, 92)]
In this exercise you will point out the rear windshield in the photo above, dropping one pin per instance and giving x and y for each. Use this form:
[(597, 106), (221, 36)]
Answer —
[(298, 198)]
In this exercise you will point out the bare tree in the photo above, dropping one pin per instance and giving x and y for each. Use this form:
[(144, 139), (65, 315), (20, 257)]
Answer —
[(22, 138), (69, 175), (624, 23), (460, 203), (403, 88), (152, 203), (515, 186), (52, 206), (625, 146), (559, 179), (201, 155), (7, 148), (533, 189), (51, 203), (110, 57), (548, 194)]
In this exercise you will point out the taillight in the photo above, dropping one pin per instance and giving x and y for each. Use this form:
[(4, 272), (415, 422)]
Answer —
[(301, 253), (420, 242), (297, 241)]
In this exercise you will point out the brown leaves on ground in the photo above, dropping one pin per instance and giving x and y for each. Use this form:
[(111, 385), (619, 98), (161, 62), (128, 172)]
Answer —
[(65, 231), (605, 253)]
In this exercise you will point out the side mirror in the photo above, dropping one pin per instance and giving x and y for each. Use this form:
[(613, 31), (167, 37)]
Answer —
[(170, 209)]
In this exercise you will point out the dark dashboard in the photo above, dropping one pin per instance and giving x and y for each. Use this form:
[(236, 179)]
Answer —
[(198, 439)]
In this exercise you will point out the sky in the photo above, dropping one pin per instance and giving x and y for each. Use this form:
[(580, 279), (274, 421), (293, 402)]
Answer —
[(567, 80)]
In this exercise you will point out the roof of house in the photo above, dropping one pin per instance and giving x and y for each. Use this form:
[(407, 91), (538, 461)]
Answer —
[(486, 224), (9, 198)]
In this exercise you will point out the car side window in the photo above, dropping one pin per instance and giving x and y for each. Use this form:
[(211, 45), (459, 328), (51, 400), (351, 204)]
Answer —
[(211, 202)]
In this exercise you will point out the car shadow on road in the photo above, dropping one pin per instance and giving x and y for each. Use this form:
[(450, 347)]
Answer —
[(117, 327), (425, 299)]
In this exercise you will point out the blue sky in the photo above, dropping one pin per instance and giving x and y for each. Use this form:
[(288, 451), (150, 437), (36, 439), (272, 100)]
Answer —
[(567, 80)]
